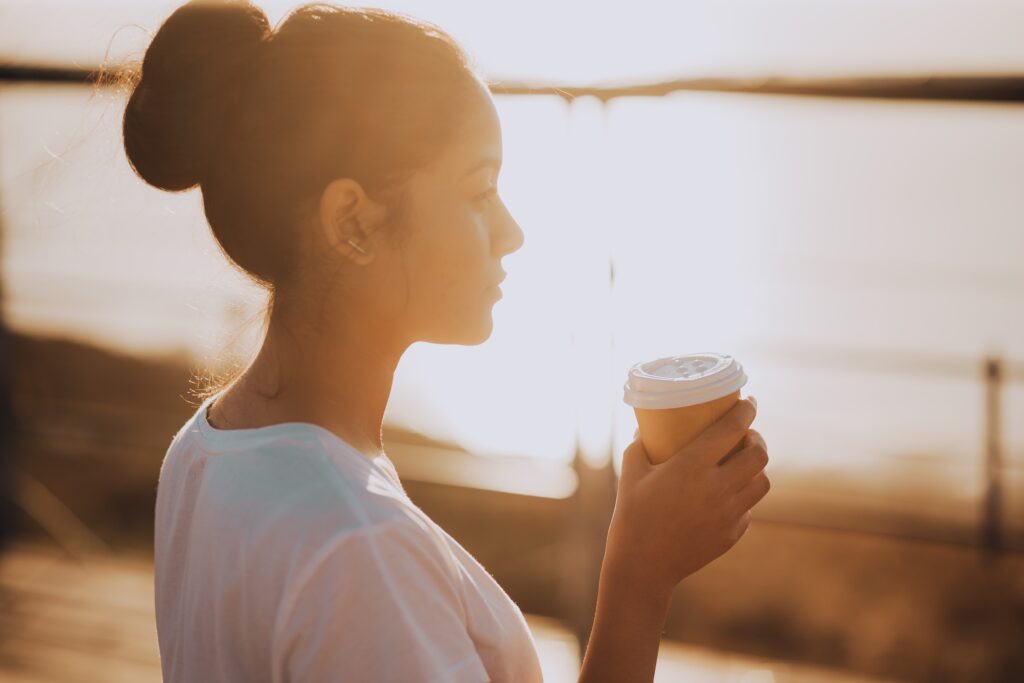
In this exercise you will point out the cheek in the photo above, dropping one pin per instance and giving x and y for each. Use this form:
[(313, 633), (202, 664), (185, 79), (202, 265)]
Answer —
[(461, 246), (452, 256)]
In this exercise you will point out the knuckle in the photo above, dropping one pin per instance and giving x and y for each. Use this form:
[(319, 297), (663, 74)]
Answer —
[(756, 460), (739, 527), (742, 530), (739, 421), (762, 456)]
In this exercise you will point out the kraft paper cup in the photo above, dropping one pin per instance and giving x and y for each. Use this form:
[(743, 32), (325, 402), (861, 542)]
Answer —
[(677, 397)]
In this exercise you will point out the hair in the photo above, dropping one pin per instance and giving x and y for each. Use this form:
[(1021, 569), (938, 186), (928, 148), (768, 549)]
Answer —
[(263, 119)]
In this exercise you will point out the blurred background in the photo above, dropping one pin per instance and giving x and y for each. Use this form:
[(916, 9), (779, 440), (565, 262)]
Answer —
[(829, 191)]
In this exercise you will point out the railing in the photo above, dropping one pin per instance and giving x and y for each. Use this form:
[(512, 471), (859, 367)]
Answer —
[(994, 372), (976, 88)]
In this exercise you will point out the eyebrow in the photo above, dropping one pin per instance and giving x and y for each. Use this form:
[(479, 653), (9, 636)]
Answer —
[(489, 161)]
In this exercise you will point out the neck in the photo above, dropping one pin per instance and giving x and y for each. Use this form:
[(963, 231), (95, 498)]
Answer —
[(339, 378)]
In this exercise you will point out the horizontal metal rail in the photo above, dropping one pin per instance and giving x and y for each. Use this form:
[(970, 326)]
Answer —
[(957, 88)]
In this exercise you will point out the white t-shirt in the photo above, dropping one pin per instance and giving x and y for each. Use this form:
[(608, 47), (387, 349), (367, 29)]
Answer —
[(283, 554)]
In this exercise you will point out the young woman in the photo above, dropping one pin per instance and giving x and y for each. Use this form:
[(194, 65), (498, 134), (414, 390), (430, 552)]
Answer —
[(348, 160)]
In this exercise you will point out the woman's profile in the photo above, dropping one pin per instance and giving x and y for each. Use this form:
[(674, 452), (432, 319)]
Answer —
[(348, 162)]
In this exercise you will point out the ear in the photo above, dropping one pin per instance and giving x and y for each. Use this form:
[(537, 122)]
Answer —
[(347, 217)]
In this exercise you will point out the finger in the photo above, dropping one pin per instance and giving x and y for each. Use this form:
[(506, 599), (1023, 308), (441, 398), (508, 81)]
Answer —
[(744, 443), (717, 440), (634, 460), (752, 438), (741, 526), (751, 494), (738, 470)]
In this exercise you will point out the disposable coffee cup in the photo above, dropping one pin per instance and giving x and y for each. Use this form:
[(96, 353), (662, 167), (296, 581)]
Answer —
[(677, 397)]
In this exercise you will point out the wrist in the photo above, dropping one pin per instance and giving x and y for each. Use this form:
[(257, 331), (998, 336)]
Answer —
[(628, 624), (624, 578)]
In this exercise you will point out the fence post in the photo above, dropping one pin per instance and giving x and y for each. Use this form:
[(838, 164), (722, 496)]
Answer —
[(991, 522), (590, 513), (7, 436)]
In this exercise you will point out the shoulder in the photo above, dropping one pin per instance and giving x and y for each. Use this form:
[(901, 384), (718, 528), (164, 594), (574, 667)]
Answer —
[(290, 491)]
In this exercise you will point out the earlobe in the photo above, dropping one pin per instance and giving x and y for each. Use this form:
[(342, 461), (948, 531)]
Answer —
[(364, 222), (356, 246)]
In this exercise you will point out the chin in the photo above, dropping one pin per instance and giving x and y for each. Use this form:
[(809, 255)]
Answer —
[(478, 334), (466, 332), (468, 324)]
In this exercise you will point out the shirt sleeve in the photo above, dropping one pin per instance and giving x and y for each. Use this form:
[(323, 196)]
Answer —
[(376, 604)]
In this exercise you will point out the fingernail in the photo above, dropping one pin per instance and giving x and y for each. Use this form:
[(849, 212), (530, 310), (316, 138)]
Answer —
[(753, 400)]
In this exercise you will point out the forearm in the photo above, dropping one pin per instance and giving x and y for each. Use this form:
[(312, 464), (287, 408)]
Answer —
[(628, 623)]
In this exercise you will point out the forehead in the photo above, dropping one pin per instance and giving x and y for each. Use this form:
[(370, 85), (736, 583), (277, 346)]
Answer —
[(477, 139)]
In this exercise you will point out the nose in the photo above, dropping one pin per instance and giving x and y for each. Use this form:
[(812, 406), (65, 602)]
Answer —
[(512, 235)]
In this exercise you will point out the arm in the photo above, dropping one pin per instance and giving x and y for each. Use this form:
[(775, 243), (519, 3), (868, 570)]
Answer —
[(669, 520), (628, 623)]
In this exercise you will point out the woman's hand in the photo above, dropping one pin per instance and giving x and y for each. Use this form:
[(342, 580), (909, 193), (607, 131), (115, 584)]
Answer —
[(675, 517)]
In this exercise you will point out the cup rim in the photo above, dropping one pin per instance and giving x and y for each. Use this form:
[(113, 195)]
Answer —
[(643, 390)]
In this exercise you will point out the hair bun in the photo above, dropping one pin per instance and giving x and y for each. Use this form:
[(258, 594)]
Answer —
[(188, 83)]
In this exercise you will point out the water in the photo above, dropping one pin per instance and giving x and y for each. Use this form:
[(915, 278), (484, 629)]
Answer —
[(788, 231)]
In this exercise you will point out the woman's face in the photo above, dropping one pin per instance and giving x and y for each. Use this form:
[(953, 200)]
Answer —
[(458, 229)]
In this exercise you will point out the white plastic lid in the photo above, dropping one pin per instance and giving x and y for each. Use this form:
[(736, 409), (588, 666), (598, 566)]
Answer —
[(678, 381)]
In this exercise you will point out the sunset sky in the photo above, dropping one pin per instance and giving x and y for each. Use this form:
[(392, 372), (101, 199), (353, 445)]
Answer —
[(586, 42)]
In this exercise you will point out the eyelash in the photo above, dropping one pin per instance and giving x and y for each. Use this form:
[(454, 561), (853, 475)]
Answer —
[(484, 195)]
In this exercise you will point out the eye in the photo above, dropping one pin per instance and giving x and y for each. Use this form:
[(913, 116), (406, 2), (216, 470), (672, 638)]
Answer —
[(490, 192)]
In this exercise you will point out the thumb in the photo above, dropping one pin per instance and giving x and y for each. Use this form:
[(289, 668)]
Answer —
[(635, 462)]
